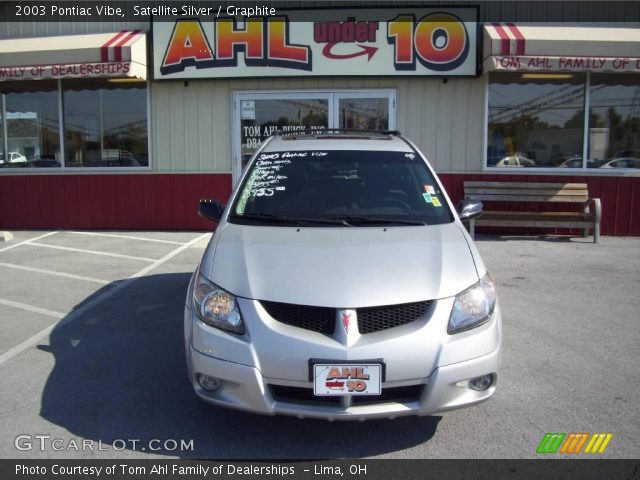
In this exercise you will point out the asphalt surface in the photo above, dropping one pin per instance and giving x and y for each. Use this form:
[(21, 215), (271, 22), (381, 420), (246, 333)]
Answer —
[(91, 351)]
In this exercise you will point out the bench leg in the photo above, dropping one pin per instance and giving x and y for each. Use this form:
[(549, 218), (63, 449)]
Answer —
[(472, 228), (585, 231), (596, 221)]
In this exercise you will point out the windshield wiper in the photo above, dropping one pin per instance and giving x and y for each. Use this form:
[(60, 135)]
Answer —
[(379, 221), (271, 217)]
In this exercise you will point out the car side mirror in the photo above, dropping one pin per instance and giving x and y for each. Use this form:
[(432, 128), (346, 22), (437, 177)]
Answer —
[(468, 209), (210, 209)]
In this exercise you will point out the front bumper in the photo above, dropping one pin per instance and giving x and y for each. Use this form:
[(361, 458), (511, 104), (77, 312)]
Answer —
[(267, 370)]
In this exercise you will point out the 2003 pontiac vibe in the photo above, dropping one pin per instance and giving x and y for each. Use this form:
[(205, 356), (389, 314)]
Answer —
[(340, 283)]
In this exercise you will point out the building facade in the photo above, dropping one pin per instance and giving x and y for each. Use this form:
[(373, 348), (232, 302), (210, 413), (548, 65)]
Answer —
[(126, 125)]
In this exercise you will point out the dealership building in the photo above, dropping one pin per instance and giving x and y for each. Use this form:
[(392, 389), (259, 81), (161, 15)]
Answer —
[(126, 125)]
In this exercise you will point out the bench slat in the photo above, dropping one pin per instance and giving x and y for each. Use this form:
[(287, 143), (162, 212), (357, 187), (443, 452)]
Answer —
[(516, 191), (529, 198), (498, 215), (515, 218), (534, 223), (525, 185), (541, 224)]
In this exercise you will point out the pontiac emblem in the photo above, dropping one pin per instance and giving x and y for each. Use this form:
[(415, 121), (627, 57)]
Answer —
[(346, 317)]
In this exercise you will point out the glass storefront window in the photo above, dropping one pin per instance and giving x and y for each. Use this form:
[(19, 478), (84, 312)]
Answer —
[(30, 134), (260, 118), (364, 113), (535, 120), (105, 123), (614, 121), (261, 114)]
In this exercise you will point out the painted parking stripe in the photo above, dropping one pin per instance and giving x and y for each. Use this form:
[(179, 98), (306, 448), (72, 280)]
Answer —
[(27, 241), (31, 308), (93, 252), (35, 339), (53, 272), (128, 237)]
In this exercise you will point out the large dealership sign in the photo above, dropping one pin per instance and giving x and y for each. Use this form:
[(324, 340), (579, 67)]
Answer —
[(414, 41)]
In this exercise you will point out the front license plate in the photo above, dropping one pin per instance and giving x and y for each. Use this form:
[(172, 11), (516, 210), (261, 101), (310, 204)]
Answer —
[(341, 379)]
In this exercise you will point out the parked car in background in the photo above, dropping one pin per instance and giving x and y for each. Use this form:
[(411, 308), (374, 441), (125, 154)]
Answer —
[(576, 162), (573, 162), (516, 161), (340, 283), (628, 162), (14, 157)]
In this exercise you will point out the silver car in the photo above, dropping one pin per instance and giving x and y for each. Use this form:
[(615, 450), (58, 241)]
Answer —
[(341, 284)]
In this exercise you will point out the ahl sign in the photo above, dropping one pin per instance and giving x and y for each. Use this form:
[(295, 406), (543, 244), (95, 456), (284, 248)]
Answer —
[(427, 41)]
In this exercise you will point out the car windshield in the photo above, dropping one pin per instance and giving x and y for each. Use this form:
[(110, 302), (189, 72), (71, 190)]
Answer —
[(340, 187)]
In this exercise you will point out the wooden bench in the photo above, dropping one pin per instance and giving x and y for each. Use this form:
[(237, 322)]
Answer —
[(589, 217)]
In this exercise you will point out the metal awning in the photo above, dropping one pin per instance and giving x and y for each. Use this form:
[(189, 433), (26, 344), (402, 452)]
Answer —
[(122, 54), (521, 48)]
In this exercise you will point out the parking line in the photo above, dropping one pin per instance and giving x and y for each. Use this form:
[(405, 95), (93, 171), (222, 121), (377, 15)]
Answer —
[(34, 339), (129, 237), (31, 308), (94, 252), (53, 272), (27, 241)]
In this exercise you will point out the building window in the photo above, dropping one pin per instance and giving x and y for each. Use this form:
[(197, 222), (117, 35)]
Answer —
[(535, 120), (105, 123), (539, 120), (262, 117), (614, 121), (29, 133)]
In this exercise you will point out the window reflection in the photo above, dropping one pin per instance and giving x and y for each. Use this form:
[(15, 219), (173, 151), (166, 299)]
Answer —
[(614, 121), (30, 110), (261, 118), (535, 120), (105, 123), (364, 113)]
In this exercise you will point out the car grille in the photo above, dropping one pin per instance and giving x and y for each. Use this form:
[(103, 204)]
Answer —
[(305, 396), (323, 319), (374, 319), (317, 319)]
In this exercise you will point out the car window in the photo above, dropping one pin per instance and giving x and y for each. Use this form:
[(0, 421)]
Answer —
[(341, 184)]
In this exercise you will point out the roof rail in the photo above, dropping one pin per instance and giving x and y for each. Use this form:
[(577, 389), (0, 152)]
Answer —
[(322, 131)]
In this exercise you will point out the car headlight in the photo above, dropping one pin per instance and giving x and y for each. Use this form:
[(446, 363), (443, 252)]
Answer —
[(216, 307), (473, 306)]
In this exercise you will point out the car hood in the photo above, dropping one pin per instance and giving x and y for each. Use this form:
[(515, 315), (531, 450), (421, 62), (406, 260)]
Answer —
[(342, 267)]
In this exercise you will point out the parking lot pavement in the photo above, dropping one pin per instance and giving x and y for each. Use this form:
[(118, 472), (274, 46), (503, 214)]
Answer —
[(92, 357)]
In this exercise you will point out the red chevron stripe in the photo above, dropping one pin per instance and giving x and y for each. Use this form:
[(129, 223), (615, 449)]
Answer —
[(104, 49), (519, 38), (121, 43), (504, 38)]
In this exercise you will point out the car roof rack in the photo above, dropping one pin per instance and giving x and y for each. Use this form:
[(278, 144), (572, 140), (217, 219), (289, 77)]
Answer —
[(324, 131)]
